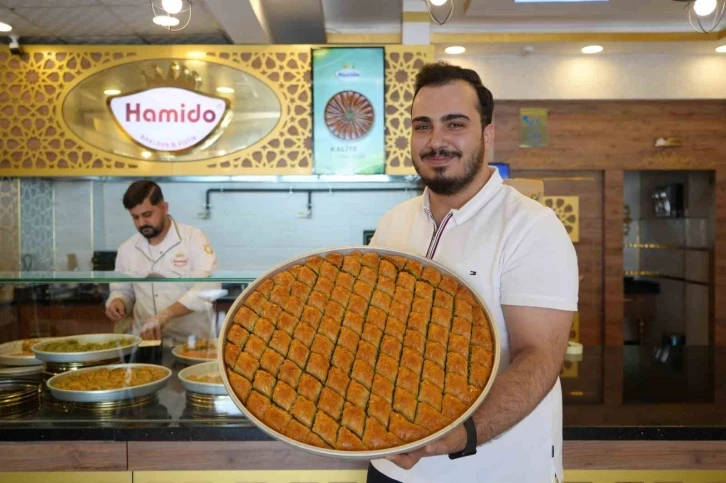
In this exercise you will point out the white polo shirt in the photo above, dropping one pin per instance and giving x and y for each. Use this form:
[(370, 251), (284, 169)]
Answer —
[(512, 251)]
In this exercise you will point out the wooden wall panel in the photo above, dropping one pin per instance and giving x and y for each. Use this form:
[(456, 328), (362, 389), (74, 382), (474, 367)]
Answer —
[(228, 455), (64, 456), (613, 214), (645, 455), (587, 185), (616, 135)]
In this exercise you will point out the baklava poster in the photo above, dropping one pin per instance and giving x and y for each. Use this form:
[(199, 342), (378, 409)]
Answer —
[(348, 111)]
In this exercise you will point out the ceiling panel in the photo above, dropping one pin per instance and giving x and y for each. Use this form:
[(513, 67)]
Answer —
[(138, 20), (573, 49), (20, 25), (370, 12), (47, 3), (181, 38), (105, 40), (75, 21), (627, 15)]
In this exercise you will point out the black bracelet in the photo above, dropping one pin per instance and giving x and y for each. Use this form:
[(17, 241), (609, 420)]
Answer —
[(470, 448)]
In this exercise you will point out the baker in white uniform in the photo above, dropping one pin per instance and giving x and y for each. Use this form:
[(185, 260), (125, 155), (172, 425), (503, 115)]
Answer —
[(518, 258), (174, 312)]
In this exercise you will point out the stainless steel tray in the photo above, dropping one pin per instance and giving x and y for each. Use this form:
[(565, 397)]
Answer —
[(109, 394), (116, 352), (205, 369), (15, 347), (357, 455)]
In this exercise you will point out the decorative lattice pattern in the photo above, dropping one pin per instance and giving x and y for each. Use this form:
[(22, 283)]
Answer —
[(36, 140), (32, 88), (356, 352), (567, 209), (9, 229), (402, 65)]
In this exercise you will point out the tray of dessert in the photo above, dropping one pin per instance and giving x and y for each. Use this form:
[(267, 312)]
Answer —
[(85, 348), (113, 382), (195, 352), (358, 352), (19, 353), (204, 378)]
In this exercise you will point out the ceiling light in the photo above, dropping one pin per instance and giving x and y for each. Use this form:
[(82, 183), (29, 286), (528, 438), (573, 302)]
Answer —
[(145, 154), (704, 8), (225, 90), (721, 49), (172, 6), (173, 15), (430, 4), (166, 21), (455, 50), (592, 49), (5, 27), (704, 15), (112, 92)]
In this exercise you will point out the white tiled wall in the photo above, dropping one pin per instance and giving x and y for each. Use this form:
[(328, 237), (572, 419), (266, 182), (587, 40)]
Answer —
[(255, 231), (73, 223)]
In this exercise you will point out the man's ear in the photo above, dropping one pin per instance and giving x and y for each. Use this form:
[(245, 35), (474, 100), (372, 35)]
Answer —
[(488, 136)]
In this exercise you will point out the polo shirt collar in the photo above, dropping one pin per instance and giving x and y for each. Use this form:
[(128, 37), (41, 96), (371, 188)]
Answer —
[(463, 214)]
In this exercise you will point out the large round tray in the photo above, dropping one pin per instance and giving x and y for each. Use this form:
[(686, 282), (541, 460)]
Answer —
[(357, 455), (109, 394), (116, 352), (15, 347), (205, 369)]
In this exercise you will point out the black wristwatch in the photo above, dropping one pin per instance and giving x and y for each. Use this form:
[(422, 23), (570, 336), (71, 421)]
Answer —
[(470, 448)]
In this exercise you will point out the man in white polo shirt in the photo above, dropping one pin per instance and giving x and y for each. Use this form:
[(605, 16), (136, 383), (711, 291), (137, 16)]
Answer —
[(517, 256)]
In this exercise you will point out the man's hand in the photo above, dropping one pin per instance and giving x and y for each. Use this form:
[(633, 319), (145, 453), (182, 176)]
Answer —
[(452, 442), (151, 330), (116, 310)]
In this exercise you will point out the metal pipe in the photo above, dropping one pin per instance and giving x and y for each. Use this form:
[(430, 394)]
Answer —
[(309, 191)]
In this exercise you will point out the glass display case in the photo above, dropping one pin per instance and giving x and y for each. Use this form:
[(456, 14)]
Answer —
[(57, 307)]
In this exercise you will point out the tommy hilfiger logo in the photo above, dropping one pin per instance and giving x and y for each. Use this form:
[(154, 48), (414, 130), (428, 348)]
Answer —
[(472, 272)]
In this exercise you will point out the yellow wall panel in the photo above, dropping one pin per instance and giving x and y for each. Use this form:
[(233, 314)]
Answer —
[(37, 141)]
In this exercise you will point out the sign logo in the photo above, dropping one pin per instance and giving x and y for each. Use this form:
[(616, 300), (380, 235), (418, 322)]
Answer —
[(348, 73), (168, 118)]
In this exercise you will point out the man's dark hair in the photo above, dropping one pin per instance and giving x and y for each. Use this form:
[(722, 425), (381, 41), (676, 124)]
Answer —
[(139, 191), (441, 73)]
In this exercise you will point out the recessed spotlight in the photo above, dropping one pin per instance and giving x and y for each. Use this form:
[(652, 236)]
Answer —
[(721, 49), (221, 152), (196, 54), (455, 49), (4, 27), (166, 21), (145, 154), (592, 49), (225, 90), (438, 3), (112, 92)]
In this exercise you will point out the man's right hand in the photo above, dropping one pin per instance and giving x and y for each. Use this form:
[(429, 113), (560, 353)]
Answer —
[(116, 310)]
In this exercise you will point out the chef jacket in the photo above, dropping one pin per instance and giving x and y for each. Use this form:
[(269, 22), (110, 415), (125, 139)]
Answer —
[(185, 252)]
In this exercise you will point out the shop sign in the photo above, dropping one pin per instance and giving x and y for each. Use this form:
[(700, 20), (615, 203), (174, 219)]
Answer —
[(168, 119)]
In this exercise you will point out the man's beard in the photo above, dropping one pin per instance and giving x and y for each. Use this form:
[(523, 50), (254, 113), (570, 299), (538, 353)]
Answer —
[(150, 232), (443, 185)]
